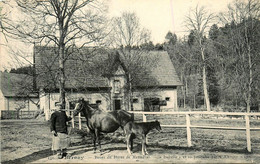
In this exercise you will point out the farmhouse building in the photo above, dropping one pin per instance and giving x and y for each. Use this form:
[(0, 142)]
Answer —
[(16, 93), (102, 77)]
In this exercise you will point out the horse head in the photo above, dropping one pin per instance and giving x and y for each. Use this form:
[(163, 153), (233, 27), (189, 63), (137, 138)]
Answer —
[(158, 126), (79, 107), (84, 107)]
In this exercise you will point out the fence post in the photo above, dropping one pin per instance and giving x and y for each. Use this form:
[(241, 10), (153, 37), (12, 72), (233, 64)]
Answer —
[(79, 120), (248, 137), (188, 130), (72, 120), (144, 118)]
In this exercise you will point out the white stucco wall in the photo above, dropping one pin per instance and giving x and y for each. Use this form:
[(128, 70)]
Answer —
[(32, 104), (23, 103), (162, 94), (19, 103), (48, 100), (92, 98), (2, 101)]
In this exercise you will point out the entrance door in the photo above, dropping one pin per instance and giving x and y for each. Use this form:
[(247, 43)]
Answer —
[(117, 104)]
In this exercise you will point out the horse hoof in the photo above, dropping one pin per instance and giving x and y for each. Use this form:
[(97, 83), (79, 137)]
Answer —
[(98, 151), (145, 153)]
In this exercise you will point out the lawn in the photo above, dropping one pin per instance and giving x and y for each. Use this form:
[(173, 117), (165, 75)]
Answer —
[(24, 141)]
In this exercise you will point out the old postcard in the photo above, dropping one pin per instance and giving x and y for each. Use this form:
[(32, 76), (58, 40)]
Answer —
[(130, 81)]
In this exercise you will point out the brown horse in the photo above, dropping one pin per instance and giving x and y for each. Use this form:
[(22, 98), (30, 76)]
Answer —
[(133, 129), (99, 121)]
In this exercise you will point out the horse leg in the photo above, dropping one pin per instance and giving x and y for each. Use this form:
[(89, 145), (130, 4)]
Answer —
[(94, 141), (98, 139), (132, 142), (145, 145), (128, 136)]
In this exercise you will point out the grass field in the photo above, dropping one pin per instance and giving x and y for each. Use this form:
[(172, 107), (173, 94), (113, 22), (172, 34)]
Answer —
[(24, 141)]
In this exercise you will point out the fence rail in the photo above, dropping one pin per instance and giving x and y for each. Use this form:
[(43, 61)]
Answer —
[(13, 114), (188, 125)]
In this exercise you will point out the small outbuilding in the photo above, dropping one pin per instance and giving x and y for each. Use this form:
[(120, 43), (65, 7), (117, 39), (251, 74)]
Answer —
[(17, 94)]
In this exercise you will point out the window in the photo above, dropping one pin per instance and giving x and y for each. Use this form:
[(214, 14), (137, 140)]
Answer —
[(135, 100), (98, 102), (167, 98), (117, 86)]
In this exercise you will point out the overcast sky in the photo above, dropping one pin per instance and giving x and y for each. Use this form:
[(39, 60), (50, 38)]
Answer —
[(159, 16)]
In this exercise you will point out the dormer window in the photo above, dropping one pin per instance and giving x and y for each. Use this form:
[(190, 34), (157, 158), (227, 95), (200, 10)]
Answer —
[(117, 86)]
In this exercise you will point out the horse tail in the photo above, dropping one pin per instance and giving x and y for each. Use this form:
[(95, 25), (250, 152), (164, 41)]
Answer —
[(124, 117)]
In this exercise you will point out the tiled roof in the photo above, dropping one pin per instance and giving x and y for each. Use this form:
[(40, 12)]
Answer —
[(79, 72), (159, 70), (91, 67), (16, 85)]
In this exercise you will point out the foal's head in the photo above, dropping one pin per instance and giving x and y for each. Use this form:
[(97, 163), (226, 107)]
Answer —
[(157, 125)]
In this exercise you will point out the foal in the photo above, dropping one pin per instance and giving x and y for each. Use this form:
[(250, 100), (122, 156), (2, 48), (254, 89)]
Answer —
[(133, 129)]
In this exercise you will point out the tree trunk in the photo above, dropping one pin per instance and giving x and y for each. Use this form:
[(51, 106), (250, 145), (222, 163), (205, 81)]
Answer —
[(61, 46), (194, 101), (131, 107), (236, 104), (184, 97), (183, 91), (17, 114), (248, 104), (184, 100), (62, 76), (205, 88)]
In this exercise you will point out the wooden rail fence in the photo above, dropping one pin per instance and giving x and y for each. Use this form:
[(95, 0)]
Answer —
[(14, 114), (188, 125)]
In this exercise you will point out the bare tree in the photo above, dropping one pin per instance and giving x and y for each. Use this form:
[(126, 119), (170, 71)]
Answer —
[(242, 20), (128, 35), (127, 31), (2, 18), (199, 20), (64, 24)]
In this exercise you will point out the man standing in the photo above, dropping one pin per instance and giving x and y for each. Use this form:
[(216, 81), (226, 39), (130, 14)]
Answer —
[(60, 141)]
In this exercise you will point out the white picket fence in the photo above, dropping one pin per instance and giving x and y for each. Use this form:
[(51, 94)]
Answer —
[(188, 125)]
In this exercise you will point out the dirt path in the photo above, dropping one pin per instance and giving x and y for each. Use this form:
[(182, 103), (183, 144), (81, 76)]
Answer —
[(116, 153), (30, 141)]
